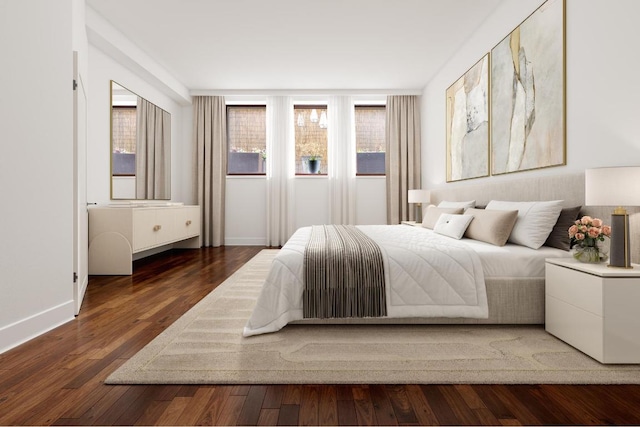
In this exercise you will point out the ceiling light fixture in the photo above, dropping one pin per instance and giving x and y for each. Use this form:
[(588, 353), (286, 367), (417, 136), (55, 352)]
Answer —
[(323, 120)]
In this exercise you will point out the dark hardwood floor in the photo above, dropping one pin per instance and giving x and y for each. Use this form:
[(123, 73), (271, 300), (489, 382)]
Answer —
[(58, 378)]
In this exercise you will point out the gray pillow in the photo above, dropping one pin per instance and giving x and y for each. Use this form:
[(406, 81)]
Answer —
[(559, 236), (491, 226), (433, 213)]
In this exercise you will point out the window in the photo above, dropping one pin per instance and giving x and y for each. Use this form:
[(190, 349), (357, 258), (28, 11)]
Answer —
[(311, 139), (370, 139), (246, 139), (124, 140)]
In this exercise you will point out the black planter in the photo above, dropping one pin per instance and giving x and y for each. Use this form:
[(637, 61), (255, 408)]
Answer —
[(314, 166)]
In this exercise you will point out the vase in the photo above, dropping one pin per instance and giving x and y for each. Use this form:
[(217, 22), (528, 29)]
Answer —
[(588, 254)]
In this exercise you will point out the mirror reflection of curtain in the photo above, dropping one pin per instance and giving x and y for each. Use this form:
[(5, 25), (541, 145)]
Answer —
[(153, 148), (402, 161)]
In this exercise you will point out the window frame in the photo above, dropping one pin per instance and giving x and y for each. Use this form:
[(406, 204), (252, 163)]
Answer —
[(355, 107), (317, 106), (227, 107)]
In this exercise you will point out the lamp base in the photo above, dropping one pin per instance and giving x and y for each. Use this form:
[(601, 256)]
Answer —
[(419, 213), (620, 253)]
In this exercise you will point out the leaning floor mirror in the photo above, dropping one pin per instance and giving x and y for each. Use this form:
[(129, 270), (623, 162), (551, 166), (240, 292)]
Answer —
[(140, 147)]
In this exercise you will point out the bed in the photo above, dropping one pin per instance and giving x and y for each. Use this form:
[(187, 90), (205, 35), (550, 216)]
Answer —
[(512, 275), (511, 288)]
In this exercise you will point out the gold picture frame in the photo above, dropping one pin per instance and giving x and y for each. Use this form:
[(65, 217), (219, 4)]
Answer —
[(528, 93), (467, 123)]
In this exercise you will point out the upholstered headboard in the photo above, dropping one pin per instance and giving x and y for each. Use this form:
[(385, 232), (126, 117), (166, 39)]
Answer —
[(567, 187)]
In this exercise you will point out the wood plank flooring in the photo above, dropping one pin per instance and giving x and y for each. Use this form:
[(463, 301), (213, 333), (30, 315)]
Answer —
[(57, 378)]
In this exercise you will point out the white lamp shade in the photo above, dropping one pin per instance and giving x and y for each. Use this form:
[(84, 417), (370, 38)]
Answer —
[(616, 186), (419, 196)]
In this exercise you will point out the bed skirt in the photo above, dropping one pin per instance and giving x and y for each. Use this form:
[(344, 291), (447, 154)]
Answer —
[(511, 301)]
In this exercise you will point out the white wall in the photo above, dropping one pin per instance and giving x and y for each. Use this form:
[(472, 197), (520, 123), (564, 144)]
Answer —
[(245, 210), (371, 200), (102, 70), (80, 41), (311, 204), (602, 89), (36, 170)]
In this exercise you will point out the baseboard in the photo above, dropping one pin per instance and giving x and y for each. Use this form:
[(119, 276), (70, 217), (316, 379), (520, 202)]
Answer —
[(26, 329), (245, 241)]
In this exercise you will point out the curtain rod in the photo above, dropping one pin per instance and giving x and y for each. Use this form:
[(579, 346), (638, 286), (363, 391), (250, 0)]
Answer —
[(266, 92)]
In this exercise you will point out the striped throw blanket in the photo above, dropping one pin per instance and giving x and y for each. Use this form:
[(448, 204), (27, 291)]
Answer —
[(343, 274)]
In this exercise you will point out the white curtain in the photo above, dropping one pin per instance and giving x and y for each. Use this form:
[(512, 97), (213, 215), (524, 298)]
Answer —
[(210, 133), (280, 170), (402, 160), (342, 160), (153, 151)]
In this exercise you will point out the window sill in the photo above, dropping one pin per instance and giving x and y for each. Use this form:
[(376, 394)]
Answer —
[(247, 176)]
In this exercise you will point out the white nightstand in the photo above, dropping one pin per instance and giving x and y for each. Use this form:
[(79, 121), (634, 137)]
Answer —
[(594, 308), (412, 223)]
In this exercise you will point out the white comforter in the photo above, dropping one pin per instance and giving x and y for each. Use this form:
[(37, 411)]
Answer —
[(427, 275)]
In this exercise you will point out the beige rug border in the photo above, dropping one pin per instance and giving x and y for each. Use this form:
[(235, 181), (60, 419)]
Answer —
[(132, 372)]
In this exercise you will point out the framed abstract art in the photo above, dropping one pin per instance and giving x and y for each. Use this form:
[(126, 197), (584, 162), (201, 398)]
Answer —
[(467, 111), (527, 120)]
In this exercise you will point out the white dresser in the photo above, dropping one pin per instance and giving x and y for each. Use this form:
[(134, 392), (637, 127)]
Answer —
[(118, 232)]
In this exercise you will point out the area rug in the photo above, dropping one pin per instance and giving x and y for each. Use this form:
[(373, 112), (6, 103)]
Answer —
[(205, 346)]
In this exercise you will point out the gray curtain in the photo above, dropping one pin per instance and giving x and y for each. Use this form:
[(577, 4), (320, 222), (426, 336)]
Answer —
[(402, 160), (153, 151), (210, 132)]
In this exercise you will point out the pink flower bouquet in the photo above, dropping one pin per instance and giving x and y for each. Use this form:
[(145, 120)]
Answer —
[(588, 231)]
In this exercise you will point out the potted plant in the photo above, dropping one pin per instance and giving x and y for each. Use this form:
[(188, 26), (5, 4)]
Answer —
[(314, 164)]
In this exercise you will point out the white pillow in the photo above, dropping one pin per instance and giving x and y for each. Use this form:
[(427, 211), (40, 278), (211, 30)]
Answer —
[(535, 220), (452, 225), (463, 205)]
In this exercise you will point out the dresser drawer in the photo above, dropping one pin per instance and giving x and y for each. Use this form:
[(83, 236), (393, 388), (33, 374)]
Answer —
[(575, 326), (580, 290), (187, 222), (144, 235)]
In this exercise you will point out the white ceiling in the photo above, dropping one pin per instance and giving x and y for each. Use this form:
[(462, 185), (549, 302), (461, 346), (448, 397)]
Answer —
[(298, 44)]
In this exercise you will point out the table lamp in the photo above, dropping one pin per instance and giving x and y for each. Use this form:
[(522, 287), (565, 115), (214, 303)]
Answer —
[(615, 186), (419, 197)]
